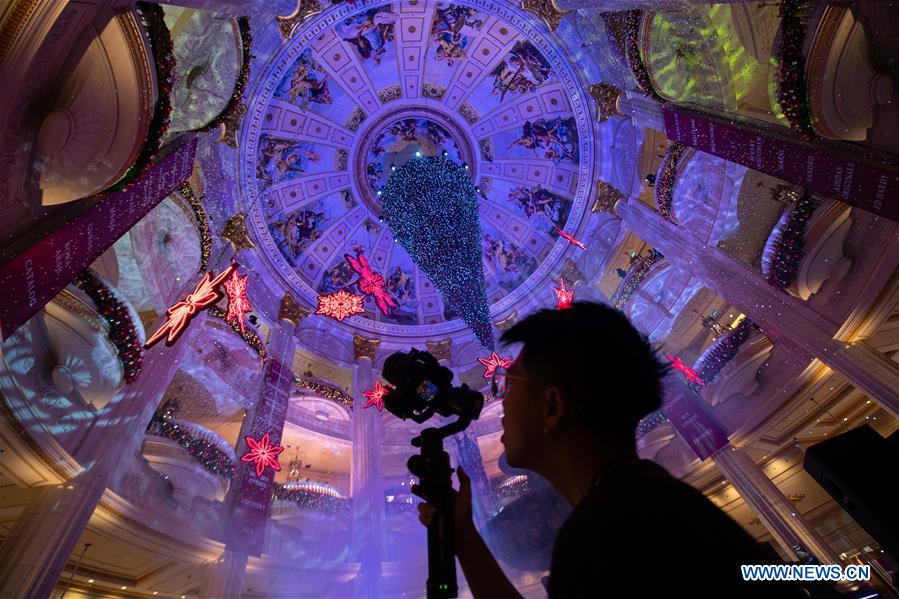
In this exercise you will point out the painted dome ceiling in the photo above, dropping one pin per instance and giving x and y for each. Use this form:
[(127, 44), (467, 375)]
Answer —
[(366, 87)]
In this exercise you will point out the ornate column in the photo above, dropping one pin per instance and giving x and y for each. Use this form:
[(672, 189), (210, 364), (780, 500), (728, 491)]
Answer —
[(606, 98), (246, 522), (644, 111), (783, 317), (35, 553), (611, 101), (697, 426), (442, 350), (366, 474), (781, 519), (225, 576)]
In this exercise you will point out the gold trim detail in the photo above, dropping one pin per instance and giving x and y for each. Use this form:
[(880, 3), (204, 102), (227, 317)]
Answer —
[(291, 310), (440, 349), (364, 347), (546, 10), (235, 231), (606, 98), (305, 9)]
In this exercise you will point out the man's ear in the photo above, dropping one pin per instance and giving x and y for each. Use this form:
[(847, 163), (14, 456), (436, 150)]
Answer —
[(553, 408)]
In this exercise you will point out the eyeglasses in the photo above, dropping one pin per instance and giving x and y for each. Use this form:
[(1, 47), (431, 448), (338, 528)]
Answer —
[(499, 385)]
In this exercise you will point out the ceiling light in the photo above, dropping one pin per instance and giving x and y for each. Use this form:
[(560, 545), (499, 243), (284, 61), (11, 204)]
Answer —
[(123, 588), (90, 581)]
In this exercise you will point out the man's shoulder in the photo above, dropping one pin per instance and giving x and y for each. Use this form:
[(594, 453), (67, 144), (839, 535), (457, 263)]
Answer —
[(640, 502), (640, 485), (640, 509)]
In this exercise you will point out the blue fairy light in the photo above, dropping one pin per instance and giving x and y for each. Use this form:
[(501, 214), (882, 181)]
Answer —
[(431, 207)]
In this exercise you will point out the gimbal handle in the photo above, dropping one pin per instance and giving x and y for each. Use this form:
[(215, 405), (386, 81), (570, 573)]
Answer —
[(432, 466)]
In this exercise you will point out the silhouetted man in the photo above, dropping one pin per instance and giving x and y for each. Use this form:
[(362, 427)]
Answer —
[(571, 402)]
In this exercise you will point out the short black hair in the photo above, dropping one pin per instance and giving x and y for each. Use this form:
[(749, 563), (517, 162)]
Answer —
[(594, 354)]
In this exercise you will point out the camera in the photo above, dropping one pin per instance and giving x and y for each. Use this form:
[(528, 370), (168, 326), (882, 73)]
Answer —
[(422, 387)]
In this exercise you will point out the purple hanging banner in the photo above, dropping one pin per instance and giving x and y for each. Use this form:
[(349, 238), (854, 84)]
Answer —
[(36, 275), (249, 510), (692, 419), (830, 169)]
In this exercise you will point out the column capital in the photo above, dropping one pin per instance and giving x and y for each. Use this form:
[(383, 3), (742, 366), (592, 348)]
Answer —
[(364, 347), (441, 350), (606, 197), (506, 323), (287, 25), (606, 98), (235, 231), (547, 10), (291, 310)]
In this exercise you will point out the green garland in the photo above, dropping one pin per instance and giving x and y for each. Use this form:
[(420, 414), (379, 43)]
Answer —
[(122, 331), (723, 350), (246, 41), (792, 88), (160, 38), (332, 392), (202, 222), (664, 186), (207, 454), (308, 497), (634, 276), (651, 422), (623, 28), (790, 243), (250, 337)]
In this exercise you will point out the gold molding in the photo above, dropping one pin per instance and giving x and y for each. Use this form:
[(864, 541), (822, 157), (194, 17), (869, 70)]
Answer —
[(291, 310), (74, 304), (571, 273), (829, 33), (14, 24), (547, 10), (305, 9), (442, 350), (235, 231), (606, 98), (231, 125), (506, 323), (364, 347), (606, 197)]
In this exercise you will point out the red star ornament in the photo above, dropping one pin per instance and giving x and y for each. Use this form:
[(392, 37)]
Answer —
[(263, 453), (564, 297), (376, 396), (238, 302), (571, 239), (494, 362)]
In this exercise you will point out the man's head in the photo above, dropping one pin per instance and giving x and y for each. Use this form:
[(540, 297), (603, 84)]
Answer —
[(583, 372)]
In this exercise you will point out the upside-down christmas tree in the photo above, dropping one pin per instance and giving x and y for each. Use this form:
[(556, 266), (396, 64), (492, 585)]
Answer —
[(431, 206)]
